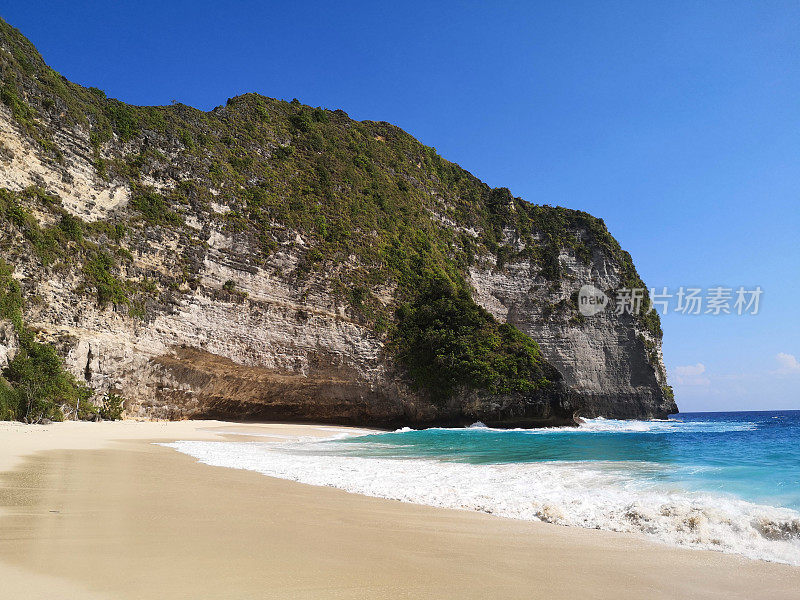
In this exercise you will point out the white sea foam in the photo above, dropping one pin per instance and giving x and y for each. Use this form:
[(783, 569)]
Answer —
[(595, 495), (663, 426), (602, 425)]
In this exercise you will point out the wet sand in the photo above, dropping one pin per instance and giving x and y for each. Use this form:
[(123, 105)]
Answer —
[(99, 511)]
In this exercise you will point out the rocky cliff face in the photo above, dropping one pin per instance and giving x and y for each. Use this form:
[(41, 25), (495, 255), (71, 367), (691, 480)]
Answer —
[(201, 284), (610, 363)]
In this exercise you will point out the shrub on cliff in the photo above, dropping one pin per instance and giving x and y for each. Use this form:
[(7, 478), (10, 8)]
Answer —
[(113, 406), (34, 385), (154, 209), (39, 385), (446, 340), (10, 296), (98, 272)]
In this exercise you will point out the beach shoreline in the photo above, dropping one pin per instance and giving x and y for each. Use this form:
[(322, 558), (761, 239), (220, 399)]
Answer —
[(100, 510)]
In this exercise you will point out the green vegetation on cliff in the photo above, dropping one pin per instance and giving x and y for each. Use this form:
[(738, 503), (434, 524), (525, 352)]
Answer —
[(34, 385), (447, 341), (367, 188), (376, 211), (69, 240)]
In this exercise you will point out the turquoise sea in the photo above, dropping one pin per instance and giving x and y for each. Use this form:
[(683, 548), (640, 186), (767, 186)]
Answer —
[(720, 481)]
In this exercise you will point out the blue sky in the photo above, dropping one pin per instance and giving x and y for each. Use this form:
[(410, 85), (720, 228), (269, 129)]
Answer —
[(678, 123)]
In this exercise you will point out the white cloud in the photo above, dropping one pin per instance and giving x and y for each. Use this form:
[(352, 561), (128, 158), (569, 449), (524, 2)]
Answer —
[(691, 375), (788, 363)]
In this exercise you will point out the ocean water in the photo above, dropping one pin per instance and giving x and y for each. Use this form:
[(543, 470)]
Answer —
[(718, 481)]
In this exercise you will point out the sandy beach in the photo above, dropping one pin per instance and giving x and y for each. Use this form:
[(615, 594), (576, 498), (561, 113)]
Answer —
[(97, 510)]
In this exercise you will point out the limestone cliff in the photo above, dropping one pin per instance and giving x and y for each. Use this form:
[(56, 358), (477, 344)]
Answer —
[(246, 263)]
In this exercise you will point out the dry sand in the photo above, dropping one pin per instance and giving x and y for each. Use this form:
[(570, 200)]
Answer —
[(98, 511)]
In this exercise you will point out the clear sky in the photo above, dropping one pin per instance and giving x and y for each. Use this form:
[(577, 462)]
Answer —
[(676, 122)]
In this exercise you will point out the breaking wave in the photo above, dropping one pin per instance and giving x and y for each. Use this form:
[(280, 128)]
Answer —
[(610, 495), (602, 425)]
